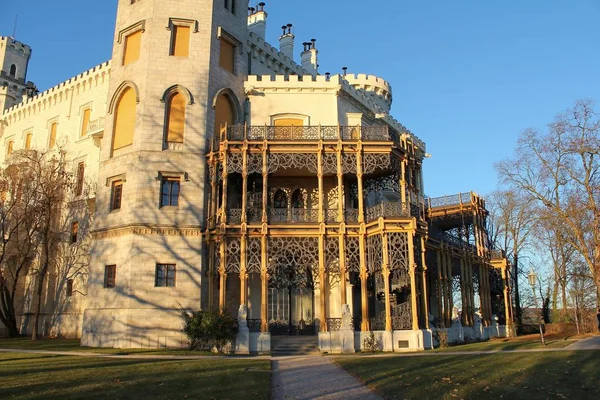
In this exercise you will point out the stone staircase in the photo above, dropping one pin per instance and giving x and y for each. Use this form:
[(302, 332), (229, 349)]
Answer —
[(294, 345)]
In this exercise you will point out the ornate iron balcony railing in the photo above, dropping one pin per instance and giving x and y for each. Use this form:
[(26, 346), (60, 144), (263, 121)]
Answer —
[(298, 215), (387, 209), (318, 132), (451, 200)]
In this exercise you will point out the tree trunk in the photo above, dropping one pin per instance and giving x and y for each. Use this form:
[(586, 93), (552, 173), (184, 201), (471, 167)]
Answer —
[(7, 314), (518, 314), (35, 335)]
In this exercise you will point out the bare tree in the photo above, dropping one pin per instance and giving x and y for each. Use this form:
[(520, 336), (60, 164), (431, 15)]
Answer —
[(559, 169)]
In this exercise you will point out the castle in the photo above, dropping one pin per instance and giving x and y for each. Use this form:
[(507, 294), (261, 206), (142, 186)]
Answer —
[(228, 175)]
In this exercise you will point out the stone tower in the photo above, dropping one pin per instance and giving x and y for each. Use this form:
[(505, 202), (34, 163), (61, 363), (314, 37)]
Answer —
[(177, 74), (14, 60)]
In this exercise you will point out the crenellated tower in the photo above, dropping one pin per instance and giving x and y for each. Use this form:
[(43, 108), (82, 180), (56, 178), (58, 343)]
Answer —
[(14, 61), (177, 74)]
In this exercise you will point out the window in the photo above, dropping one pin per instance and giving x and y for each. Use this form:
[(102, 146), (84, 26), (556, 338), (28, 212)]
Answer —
[(80, 176), (133, 43), (74, 231), (233, 6), (224, 113), (176, 117), (53, 129), (69, 287), (229, 5), (28, 138), (227, 55), (165, 275), (180, 45), (226, 4), (13, 71), (110, 275), (115, 195), (169, 192), (9, 147), (125, 116), (85, 121)]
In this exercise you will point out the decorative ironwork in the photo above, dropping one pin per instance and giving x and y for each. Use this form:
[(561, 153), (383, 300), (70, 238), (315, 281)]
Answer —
[(234, 216), (235, 163), (292, 261), (352, 254), (334, 324), (375, 133), (287, 160), (299, 215), (378, 323), (330, 163), (387, 209), (332, 255), (374, 253), (253, 215), (398, 251), (254, 325), (254, 252), (389, 183), (402, 316), (451, 200), (351, 215), (349, 163), (331, 215), (255, 163), (373, 162), (233, 256)]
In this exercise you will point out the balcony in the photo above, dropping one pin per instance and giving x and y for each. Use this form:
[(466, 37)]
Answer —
[(310, 133)]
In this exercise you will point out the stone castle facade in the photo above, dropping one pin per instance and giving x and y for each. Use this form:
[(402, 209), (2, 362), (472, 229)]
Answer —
[(226, 174)]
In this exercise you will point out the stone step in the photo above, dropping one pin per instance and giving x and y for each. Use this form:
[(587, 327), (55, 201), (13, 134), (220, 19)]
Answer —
[(294, 345)]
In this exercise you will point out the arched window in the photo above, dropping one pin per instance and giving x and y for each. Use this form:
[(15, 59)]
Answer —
[(298, 199), (224, 113), (280, 199), (125, 116), (13, 71), (175, 118)]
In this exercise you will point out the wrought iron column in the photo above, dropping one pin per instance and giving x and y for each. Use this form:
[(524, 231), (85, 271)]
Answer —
[(364, 297), (243, 271), (403, 180), (212, 212), (424, 275), (440, 286), (471, 298), (385, 272), (264, 281), (449, 286), (323, 278), (211, 273), (225, 179), (342, 258), (320, 179), (464, 289), (244, 182), (413, 280), (265, 183), (340, 183), (359, 177), (223, 274)]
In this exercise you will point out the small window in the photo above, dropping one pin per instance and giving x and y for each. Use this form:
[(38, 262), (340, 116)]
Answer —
[(233, 6), (133, 44), (169, 193), (80, 177), (110, 276), (69, 287), (28, 139), (115, 195), (165, 275), (227, 55), (53, 130), (13, 71), (9, 147), (226, 3), (180, 42), (85, 121), (74, 231)]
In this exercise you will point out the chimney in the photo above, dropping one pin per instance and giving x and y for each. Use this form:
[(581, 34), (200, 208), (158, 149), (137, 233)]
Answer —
[(310, 57), (286, 41), (257, 20)]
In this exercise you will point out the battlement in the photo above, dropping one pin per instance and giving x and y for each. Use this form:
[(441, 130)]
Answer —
[(14, 45), (268, 49), (58, 92), (335, 81), (376, 87)]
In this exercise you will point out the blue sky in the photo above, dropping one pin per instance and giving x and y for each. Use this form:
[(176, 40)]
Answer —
[(468, 75)]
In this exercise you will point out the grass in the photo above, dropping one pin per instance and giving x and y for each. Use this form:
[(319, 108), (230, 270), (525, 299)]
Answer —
[(74, 345), (525, 343), (531, 376), (34, 376)]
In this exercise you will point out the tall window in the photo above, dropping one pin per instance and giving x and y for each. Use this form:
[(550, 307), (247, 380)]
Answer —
[(176, 118), (133, 44), (85, 121), (53, 129), (69, 287), (169, 192), (80, 177), (74, 231), (223, 113), (115, 195), (227, 55), (9, 147), (165, 275), (180, 45), (125, 115), (28, 139), (13, 71), (110, 276)]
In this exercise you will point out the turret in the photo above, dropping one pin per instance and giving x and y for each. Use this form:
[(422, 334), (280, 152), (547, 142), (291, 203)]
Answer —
[(14, 61)]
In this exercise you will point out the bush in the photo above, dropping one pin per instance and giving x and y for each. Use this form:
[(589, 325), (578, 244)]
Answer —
[(440, 337), (371, 343), (212, 329)]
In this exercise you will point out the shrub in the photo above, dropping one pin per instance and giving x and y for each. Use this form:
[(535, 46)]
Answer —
[(440, 336), (208, 329), (371, 343)]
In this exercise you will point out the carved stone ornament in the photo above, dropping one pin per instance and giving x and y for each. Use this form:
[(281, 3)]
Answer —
[(346, 318), (242, 316)]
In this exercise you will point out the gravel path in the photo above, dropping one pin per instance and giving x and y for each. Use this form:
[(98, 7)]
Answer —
[(592, 343), (315, 378)]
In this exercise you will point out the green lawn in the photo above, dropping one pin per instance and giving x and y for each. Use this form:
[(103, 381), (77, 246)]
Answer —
[(508, 344), (73, 345), (530, 376), (34, 376)]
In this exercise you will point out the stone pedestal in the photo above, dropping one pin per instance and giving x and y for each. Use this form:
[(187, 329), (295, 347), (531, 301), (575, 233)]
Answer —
[(242, 341), (346, 330)]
